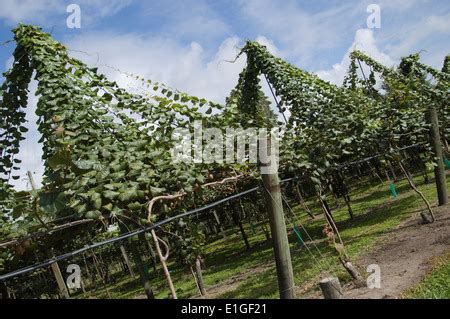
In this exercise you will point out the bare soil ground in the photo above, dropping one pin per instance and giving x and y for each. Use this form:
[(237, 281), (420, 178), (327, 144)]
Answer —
[(404, 256)]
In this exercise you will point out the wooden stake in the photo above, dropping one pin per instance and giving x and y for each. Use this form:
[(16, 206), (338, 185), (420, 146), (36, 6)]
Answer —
[(59, 278), (279, 234), (439, 170), (331, 288)]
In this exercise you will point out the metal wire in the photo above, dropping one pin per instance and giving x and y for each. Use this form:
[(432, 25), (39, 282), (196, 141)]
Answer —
[(123, 237)]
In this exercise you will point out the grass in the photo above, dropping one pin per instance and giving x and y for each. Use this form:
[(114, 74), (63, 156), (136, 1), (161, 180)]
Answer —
[(436, 284), (376, 215)]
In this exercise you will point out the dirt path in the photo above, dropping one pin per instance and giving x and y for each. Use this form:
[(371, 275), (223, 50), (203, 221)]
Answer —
[(404, 256)]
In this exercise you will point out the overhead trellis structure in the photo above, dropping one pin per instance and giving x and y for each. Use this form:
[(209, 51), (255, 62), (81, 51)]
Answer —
[(331, 125), (87, 122), (413, 83), (107, 152)]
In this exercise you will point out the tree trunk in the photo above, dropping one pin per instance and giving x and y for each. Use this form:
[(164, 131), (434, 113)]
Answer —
[(127, 260), (391, 168), (198, 271), (99, 272), (153, 255), (303, 203), (224, 235), (91, 276), (347, 202), (163, 260), (266, 231), (238, 223), (3, 291), (327, 210), (145, 280)]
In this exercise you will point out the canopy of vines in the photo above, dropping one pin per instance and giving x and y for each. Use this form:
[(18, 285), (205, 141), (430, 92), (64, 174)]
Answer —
[(107, 151), (330, 125)]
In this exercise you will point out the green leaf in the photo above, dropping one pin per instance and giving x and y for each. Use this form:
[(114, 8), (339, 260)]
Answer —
[(94, 215), (111, 195), (107, 97), (136, 206), (52, 203), (156, 191), (61, 158)]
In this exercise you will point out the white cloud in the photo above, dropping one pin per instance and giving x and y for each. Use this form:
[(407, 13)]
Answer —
[(365, 42), (104, 8), (15, 11), (271, 47), (20, 10), (301, 33), (184, 67), (423, 36), (186, 20)]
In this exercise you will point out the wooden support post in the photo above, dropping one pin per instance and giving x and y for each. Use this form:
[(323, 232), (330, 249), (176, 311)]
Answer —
[(280, 240), (331, 288), (59, 278), (439, 170)]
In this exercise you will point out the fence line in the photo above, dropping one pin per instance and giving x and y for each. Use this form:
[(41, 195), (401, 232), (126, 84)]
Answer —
[(161, 223), (124, 236)]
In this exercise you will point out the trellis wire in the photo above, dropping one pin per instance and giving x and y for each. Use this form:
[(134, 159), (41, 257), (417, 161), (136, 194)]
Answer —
[(159, 224)]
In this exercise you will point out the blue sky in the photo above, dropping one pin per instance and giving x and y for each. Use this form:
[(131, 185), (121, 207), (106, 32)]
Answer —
[(186, 43), (313, 34)]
